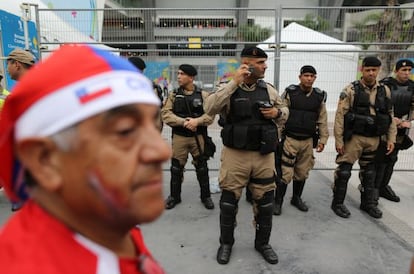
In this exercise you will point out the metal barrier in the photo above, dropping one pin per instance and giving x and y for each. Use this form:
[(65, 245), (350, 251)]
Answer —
[(333, 39)]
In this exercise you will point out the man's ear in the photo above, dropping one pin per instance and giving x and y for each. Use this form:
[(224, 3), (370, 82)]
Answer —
[(40, 156)]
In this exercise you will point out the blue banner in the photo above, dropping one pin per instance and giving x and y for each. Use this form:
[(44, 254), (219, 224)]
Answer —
[(12, 36)]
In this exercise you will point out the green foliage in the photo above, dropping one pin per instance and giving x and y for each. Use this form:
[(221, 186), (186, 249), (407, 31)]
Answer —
[(368, 32), (314, 22), (249, 33)]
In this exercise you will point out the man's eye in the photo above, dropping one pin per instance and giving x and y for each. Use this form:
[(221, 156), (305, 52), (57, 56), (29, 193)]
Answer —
[(126, 131)]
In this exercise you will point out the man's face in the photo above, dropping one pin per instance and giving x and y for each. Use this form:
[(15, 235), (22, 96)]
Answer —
[(258, 66), (114, 171), (369, 74), (13, 69), (403, 74), (183, 79), (307, 79)]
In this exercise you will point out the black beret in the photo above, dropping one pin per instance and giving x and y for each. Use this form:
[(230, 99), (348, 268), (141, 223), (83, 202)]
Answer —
[(137, 62), (403, 63), (307, 69), (371, 61), (188, 69), (253, 52)]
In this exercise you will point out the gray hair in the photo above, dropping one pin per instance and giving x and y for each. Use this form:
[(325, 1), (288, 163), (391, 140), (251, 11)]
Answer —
[(64, 138)]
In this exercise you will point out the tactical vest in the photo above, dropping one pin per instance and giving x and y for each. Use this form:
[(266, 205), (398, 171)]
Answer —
[(188, 106), (303, 112), (245, 127), (362, 121), (401, 97)]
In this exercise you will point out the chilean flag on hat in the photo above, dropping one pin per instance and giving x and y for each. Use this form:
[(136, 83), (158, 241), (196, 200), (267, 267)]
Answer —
[(76, 82)]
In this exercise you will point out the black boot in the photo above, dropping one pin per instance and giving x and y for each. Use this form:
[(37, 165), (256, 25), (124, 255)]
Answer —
[(369, 202), (369, 194), (342, 175), (280, 193), (228, 211), (264, 228), (385, 189), (175, 184), (296, 197), (204, 182), (388, 193)]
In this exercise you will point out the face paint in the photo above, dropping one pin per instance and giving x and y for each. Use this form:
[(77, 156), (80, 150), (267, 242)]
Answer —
[(110, 198)]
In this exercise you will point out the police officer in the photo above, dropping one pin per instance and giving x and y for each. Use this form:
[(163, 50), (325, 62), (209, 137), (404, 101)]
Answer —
[(402, 93), (183, 111), (305, 129), (249, 107), (364, 113), (140, 64)]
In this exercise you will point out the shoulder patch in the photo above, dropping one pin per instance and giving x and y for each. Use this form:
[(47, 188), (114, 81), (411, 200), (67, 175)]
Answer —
[(261, 84), (343, 95), (318, 90), (291, 87), (321, 93)]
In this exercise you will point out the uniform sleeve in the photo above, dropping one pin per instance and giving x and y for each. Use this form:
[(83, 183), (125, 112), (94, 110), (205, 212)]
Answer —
[(217, 101), (323, 124), (344, 104), (168, 115), (392, 130), (205, 119), (279, 104)]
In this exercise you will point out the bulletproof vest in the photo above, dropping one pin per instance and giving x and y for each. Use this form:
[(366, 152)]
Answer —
[(244, 126), (188, 106), (364, 123), (401, 95), (303, 111)]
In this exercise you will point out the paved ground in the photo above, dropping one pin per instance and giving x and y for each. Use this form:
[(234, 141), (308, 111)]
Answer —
[(185, 239)]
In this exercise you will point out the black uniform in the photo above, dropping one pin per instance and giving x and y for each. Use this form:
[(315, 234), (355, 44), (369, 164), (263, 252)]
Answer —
[(402, 95)]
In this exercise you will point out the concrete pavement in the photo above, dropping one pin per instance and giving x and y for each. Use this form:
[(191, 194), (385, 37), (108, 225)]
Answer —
[(185, 239)]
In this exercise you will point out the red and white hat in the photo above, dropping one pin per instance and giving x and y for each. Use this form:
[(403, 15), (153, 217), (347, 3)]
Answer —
[(74, 83)]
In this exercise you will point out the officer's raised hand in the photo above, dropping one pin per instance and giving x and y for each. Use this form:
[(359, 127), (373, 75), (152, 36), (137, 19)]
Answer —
[(241, 74)]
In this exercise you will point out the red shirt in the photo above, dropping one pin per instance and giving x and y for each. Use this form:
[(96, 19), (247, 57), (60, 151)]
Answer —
[(34, 242)]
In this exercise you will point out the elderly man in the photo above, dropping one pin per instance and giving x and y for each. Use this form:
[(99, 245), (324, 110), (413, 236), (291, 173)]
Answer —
[(84, 153)]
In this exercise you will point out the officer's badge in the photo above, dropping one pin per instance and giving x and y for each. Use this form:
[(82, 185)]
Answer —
[(343, 95)]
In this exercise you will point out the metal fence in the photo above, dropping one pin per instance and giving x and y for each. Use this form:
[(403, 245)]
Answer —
[(333, 39)]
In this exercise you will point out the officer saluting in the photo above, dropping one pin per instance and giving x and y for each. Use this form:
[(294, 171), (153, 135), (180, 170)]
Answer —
[(402, 93), (364, 113), (249, 108), (306, 128)]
